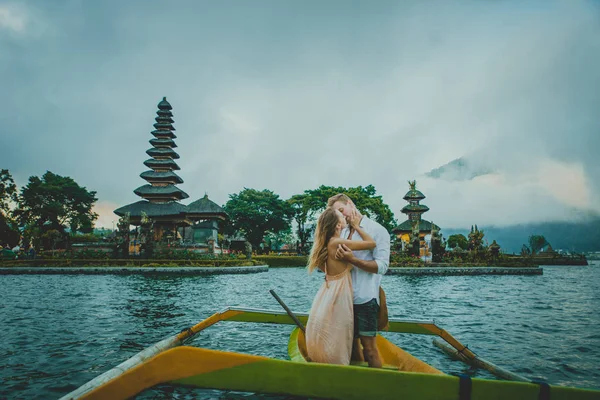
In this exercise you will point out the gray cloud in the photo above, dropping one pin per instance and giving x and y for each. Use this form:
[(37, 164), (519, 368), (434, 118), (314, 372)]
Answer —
[(288, 96)]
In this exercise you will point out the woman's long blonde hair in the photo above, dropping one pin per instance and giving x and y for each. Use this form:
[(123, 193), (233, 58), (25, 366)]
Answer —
[(326, 227)]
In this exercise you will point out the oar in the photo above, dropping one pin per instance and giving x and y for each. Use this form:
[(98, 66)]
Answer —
[(290, 313)]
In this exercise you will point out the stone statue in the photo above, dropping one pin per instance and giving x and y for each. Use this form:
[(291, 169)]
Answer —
[(494, 250), (122, 247), (146, 236), (248, 250), (437, 247), (414, 246)]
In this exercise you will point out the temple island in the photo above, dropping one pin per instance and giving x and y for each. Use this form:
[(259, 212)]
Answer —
[(169, 233)]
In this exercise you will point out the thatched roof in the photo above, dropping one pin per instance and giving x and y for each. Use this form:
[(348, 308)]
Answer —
[(162, 152), (168, 163), (152, 209), (414, 208), (169, 176), (406, 226), (205, 206), (163, 142), (163, 191)]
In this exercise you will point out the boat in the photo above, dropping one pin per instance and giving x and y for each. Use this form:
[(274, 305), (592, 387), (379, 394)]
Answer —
[(172, 361)]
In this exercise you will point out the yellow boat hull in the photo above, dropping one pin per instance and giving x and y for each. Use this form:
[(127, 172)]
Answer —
[(213, 369), (392, 356)]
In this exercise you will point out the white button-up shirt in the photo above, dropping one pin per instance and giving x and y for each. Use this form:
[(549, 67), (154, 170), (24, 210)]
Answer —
[(366, 284)]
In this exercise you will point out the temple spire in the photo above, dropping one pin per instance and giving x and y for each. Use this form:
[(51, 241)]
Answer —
[(414, 209), (161, 178)]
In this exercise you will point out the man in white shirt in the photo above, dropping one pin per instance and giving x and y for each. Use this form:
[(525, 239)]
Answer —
[(369, 267)]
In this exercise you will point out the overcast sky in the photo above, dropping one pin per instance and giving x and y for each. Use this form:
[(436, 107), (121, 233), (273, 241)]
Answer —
[(288, 96)]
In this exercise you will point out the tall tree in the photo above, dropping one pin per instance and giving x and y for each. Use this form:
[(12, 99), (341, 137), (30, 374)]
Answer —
[(9, 234), (8, 192), (458, 240), (536, 243), (55, 202), (365, 199), (476, 239), (254, 213), (275, 241), (122, 236), (304, 207)]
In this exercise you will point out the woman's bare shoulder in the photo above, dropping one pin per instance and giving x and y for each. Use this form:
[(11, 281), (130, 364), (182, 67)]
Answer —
[(333, 242)]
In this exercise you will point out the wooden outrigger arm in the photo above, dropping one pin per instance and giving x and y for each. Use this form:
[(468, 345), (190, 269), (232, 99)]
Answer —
[(478, 362)]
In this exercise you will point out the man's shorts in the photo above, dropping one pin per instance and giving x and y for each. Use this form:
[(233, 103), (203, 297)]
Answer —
[(365, 318)]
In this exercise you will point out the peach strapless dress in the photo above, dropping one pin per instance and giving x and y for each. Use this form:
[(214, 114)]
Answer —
[(330, 326)]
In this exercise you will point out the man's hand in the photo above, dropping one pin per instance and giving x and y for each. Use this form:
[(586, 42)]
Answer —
[(344, 253)]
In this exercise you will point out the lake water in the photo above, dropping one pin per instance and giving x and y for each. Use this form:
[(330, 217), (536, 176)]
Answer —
[(59, 331)]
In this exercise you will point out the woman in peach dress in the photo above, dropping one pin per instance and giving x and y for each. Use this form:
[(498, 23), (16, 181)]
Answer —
[(330, 326)]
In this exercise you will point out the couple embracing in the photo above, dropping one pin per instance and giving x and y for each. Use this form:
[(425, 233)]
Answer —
[(353, 252)]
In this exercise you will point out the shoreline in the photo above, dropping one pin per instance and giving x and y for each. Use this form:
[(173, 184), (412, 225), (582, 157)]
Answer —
[(196, 271), (112, 270), (457, 271)]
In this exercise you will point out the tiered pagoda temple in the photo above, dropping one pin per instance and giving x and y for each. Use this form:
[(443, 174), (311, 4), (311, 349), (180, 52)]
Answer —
[(172, 220), (160, 195), (414, 210)]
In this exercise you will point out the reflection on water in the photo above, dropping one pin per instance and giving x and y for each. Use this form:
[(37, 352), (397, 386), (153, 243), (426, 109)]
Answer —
[(61, 331), (142, 300)]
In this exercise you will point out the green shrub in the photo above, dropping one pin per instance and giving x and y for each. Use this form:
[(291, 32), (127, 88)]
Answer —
[(167, 253), (93, 254), (403, 259), (85, 238), (107, 262), (282, 261)]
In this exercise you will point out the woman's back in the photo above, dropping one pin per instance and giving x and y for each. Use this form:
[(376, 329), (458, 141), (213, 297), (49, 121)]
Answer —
[(334, 267)]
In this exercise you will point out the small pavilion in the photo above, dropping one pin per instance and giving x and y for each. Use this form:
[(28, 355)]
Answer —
[(205, 216), (414, 210)]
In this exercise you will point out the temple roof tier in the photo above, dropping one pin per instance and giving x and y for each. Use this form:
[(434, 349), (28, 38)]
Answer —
[(413, 194), (165, 113), (169, 191), (415, 208), (153, 176), (205, 206), (163, 142), (162, 152), (152, 209), (168, 163), (163, 133), (164, 127), (164, 120), (164, 104), (406, 226)]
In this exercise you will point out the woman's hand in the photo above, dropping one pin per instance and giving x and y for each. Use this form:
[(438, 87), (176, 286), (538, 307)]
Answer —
[(354, 220)]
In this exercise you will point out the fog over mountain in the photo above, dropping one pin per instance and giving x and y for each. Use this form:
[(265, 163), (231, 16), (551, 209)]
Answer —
[(460, 169), (491, 106), (570, 237)]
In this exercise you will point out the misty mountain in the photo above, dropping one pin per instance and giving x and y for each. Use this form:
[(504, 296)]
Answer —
[(460, 169), (572, 237)]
